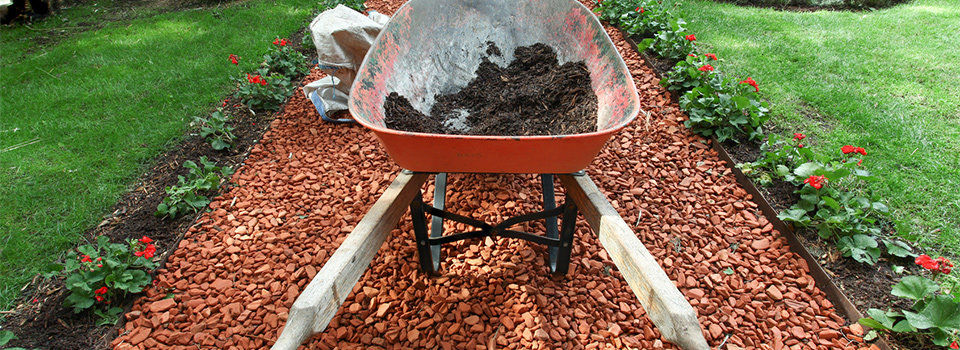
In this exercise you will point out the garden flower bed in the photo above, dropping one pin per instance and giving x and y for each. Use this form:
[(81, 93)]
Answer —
[(829, 206), (294, 203), (231, 280)]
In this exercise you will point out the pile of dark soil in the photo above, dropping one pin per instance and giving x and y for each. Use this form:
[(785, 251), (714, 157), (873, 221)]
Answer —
[(533, 95)]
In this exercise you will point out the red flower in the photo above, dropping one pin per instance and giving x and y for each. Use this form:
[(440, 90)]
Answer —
[(706, 68), (815, 181), (799, 145), (99, 298), (234, 59), (149, 251), (283, 42), (691, 37), (860, 150), (945, 265), (256, 79), (86, 258), (954, 345), (848, 149), (641, 10), (99, 265), (692, 55), (145, 240), (860, 162), (638, 9), (798, 136), (751, 82), (714, 57), (927, 262), (276, 41), (102, 290)]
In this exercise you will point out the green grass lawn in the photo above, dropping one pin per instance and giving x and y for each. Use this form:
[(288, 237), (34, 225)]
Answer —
[(886, 80), (90, 110)]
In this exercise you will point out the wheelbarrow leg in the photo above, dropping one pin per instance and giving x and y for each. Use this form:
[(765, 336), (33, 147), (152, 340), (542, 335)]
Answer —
[(550, 202), (561, 265), (436, 226), (424, 253)]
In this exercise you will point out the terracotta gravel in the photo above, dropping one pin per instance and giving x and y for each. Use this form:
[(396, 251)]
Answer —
[(301, 191)]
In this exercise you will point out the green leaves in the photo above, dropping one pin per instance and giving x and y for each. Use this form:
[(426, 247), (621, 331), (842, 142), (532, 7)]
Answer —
[(720, 107), (6, 336), (914, 288), (106, 270), (898, 248), (939, 312), (862, 248), (807, 169), (261, 97), (188, 194), (216, 131)]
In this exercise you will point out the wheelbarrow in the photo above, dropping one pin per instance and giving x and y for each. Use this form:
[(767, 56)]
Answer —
[(433, 47)]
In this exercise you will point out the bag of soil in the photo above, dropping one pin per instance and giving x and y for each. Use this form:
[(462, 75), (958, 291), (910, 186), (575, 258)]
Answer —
[(342, 37)]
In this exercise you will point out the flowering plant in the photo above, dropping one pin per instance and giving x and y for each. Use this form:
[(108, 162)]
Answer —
[(837, 213), (778, 157), (933, 314), (687, 74), (263, 92), (284, 60), (637, 17), (672, 43), (722, 108), (98, 274)]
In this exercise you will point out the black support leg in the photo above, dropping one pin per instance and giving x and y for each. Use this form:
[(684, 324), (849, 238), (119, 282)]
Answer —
[(436, 225), (420, 234), (550, 202), (562, 264)]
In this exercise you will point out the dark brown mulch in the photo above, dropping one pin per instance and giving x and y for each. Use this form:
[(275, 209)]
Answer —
[(533, 95), (46, 323)]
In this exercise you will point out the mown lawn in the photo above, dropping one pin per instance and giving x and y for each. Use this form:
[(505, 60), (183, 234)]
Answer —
[(886, 80), (82, 115)]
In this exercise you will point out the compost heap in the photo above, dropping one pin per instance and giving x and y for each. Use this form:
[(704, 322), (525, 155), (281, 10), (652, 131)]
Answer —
[(533, 95)]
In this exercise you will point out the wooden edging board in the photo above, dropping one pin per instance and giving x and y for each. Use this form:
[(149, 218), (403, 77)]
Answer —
[(318, 303), (665, 305)]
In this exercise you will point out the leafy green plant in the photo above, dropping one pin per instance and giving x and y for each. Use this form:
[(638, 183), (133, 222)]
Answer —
[(837, 213), (263, 92), (725, 109), (688, 73), (932, 313), (282, 59), (777, 159), (673, 43), (99, 274), (357, 5), (187, 195), (216, 131), (638, 17)]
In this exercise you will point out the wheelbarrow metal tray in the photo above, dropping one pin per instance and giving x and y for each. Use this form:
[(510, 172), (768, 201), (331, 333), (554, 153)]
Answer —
[(433, 47)]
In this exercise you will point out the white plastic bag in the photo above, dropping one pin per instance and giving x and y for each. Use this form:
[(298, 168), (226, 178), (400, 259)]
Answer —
[(342, 37)]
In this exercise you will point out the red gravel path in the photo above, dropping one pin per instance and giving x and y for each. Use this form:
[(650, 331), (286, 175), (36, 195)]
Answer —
[(237, 272)]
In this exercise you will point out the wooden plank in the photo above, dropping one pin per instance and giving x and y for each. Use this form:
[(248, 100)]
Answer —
[(664, 303), (318, 303)]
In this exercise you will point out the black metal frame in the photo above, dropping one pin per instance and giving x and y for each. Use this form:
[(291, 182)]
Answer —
[(428, 246)]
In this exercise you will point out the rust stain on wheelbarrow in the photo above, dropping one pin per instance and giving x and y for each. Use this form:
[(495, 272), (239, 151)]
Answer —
[(433, 47)]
